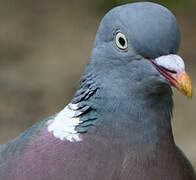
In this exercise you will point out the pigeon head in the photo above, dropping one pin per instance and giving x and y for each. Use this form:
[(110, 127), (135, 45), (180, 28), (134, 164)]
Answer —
[(136, 46)]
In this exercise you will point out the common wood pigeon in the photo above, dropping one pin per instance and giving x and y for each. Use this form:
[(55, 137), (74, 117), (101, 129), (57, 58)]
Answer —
[(118, 124)]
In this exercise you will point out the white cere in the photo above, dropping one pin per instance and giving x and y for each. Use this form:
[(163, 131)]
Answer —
[(171, 62)]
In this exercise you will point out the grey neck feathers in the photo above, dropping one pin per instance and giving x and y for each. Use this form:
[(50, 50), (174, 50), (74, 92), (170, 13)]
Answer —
[(115, 113)]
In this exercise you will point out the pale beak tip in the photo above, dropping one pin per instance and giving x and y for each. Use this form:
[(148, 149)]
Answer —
[(184, 84)]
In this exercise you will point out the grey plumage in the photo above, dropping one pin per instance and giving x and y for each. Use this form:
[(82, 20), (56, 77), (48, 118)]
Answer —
[(124, 105)]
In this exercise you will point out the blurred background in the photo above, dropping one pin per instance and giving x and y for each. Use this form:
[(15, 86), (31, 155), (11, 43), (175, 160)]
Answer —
[(44, 47)]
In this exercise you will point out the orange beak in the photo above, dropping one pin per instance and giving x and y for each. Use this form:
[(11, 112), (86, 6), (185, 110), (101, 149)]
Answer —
[(183, 84)]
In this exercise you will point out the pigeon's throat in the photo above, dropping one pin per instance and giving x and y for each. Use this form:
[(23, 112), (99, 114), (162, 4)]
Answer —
[(134, 121), (107, 108)]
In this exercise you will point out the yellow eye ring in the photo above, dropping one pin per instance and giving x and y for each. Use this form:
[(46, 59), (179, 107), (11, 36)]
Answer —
[(121, 41)]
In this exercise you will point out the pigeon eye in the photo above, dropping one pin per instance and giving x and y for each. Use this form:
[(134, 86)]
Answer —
[(121, 41)]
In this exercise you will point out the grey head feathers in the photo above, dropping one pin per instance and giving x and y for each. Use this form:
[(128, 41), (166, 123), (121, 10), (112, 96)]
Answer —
[(151, 29), (120, 78)]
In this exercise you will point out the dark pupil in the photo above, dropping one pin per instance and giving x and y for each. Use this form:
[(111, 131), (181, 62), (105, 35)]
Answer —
[(121, 41)]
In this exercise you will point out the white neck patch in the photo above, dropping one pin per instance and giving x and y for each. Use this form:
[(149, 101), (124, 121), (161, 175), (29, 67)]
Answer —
[(63, 125)]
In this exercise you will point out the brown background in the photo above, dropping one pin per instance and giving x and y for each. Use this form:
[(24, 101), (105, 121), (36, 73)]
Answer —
[(44, 47)]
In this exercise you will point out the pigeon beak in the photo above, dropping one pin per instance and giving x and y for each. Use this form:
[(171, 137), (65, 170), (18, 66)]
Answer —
[(184, 84), (173, 69)]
